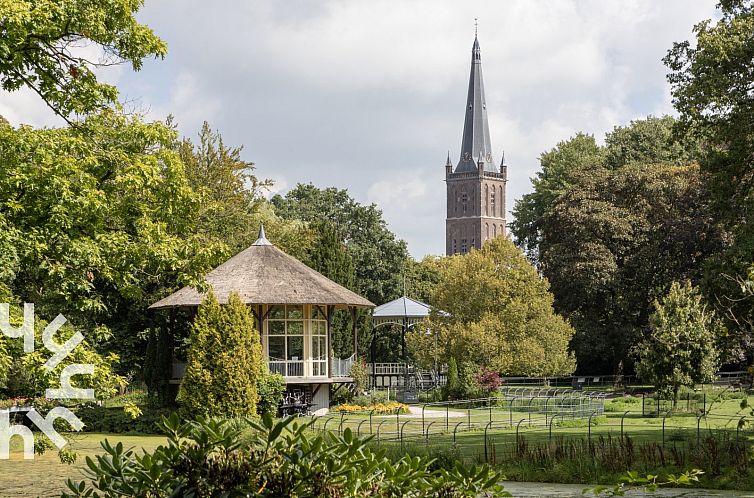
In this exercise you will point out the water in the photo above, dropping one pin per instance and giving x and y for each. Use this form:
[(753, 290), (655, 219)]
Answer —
[(554, 490)]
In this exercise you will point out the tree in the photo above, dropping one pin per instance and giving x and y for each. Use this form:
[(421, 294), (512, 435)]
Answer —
[(646, 141), (40, 48), (499, 315), (711, 81), (227, 189), (680, 350), (614, 243), (224, 361), (453, 386), (567, 158), (422, 277), (97, 222)]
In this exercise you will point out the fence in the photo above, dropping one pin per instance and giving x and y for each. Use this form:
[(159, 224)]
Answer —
[(539, 406), (653, 405), (497, 432)]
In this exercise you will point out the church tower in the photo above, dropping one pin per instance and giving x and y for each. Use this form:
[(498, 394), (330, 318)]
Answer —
[(475, 188)]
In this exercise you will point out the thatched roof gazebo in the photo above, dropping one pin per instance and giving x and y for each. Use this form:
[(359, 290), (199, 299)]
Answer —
[(293, 306)]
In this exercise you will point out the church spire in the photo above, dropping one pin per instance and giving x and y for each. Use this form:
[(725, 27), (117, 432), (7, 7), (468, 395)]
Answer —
[(476, 130)]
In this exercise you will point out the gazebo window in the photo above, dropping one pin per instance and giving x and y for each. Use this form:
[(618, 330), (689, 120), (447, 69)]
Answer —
[(319, 342), (285, 340)]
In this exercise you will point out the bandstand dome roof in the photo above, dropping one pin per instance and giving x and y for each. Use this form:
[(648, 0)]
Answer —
[(411, 310), (263, 274)]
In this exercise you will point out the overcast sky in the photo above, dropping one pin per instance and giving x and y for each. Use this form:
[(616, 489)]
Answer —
[(369, 95)]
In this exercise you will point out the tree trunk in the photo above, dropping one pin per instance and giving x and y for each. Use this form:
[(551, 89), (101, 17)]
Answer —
[(675, 397)]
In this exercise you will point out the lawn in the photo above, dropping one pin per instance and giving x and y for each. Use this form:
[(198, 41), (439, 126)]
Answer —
[(45, 476)]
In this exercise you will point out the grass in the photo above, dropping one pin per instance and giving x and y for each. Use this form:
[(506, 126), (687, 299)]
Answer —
[(666, 444), (45, 476)]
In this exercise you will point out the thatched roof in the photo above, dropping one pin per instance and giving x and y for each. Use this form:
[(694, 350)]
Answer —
[(263, 274)]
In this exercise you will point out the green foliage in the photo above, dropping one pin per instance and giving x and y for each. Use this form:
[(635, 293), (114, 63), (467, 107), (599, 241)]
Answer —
[(270, 388), (359, 375), (36, 49), (27, 376), (615, 242), (224, 361), (228, 191), (612, 226), (118, 421), (711, 83), (680, 351), (112, 195), (454, 390), (209, 457), (499, 315), (422, 277)]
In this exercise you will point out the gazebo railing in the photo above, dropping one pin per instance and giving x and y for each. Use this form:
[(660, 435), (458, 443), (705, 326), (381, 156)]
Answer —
[(342, 367)]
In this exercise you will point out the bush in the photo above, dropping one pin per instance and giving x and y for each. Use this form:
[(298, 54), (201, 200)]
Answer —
[(224, 361), (270, 388), (209, 457), (360, 376), (341, 396), (117, 421), (453, 388)]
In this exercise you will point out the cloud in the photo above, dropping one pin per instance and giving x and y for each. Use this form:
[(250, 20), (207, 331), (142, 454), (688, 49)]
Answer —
[(369, 94)]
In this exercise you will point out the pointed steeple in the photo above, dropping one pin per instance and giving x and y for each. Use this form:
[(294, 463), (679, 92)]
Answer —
[(262, 238), (476, 130)]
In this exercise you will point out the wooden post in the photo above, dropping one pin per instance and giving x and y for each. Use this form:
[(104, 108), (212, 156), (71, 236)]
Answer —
[(354, 318), (330, 311)]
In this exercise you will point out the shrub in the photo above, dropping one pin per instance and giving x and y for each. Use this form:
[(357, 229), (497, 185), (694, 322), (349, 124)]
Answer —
[(453, 387), (341, 396), (224, 361), (360, 376), (470, 388), (118, 421), (270, 388), (209, 457), (488, 381)]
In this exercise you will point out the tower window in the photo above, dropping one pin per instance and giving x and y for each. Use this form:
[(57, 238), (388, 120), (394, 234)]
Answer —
[(464, 200), (454, 247), (492, 201), (464, 246)]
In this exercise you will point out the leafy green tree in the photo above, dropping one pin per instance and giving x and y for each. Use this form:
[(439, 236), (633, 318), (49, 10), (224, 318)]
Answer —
[(711, 80), (616, 240), (559, 165), (680, 349), (270, 388), (227, 189), (422, 277), (648, 141), (101, 226), (499, 315), (224, 361), (24, 375), (38, 49)]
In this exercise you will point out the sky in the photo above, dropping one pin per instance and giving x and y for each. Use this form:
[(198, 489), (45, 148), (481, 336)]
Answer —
[(369, 95)]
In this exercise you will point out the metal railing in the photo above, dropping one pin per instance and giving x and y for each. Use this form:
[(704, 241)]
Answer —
[(342, 367)]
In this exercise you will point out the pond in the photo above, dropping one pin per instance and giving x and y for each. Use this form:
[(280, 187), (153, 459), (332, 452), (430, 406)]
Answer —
[(554, 490)]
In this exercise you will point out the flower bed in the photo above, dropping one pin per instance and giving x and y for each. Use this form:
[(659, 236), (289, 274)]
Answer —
[(381, 408)]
